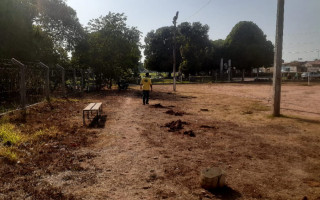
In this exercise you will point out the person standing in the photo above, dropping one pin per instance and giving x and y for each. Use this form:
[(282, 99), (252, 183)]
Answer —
[(146, 87)]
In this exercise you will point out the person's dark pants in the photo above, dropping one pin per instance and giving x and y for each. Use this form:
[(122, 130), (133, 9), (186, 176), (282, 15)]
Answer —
[(145, 96)]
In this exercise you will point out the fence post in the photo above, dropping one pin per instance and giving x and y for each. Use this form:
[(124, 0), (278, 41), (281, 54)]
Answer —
[(221, 69), (74, 79), (23, 88), (47, 87), (229, 70), (82, 80), (63, 80)]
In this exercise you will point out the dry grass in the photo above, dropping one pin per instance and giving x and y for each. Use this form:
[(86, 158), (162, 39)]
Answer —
[(137, 157)]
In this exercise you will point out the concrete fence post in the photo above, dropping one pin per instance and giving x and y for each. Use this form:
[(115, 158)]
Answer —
[(82, 80), (63, 72), (47, 80), (221, 69), (74, 79), (23, 87)]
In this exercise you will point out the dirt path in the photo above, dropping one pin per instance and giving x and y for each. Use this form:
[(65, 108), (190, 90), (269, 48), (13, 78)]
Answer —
[(122, 155), (125, 164)]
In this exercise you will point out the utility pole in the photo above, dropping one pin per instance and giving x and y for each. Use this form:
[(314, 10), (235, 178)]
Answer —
[(174, 49), (278, 60)]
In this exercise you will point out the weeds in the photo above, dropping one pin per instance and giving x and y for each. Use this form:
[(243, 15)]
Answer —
[(9, 134), (9, 137), (52, 131), (63, 100), (9, 154)]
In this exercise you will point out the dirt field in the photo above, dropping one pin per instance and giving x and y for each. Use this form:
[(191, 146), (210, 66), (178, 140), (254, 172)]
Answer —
[(157, 151)]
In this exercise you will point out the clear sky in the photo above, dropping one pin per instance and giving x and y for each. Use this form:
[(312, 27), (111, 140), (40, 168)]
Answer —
[(301, 26)]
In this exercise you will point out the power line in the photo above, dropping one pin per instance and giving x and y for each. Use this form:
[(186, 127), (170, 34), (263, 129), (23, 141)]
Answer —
[(298, 52), (198, 11)]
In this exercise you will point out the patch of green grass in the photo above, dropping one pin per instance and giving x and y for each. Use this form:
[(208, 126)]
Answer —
[(44, 132), (63, 100), (9, 134), (9, 137), (9, 154)]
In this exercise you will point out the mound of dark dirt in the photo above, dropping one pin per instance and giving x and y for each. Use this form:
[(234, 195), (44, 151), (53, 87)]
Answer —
[(175, 125), (190, 133), (210, 127), (171, 112)]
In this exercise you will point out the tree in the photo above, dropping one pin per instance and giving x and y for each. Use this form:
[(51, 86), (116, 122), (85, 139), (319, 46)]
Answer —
[(248, 47), (195, 47), (111, 48), (27, 26), (59, 21), (219, 52), (16, 28), (158, 50), (43, 48)]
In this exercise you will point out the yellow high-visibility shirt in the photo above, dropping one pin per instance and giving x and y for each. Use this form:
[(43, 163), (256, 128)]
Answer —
[(146, 83)]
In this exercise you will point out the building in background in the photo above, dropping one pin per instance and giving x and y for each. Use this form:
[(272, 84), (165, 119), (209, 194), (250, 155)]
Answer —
[(294, 66), (313, 66)]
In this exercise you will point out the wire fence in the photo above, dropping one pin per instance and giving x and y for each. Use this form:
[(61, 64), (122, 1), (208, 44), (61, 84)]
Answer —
[(26, 83)]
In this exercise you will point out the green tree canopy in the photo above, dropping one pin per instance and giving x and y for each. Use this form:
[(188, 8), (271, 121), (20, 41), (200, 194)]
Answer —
[(159, 50), (60, 21), (16, 19), (248, 47), (30, 28), (195, 47), (111, 48)]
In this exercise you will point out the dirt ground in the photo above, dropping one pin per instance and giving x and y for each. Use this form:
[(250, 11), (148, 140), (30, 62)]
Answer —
[(157, 151)]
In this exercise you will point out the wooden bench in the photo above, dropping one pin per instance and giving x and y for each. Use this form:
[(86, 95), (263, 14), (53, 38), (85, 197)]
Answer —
[(95, 108)]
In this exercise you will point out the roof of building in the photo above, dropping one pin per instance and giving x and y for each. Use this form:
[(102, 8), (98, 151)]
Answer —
[(316, 62), (294, 63)]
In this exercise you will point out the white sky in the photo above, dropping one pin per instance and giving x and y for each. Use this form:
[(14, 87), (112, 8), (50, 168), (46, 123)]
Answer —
[(301, 26)]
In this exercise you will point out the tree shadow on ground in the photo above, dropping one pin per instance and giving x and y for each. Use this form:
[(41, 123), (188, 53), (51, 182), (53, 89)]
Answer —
[(226, 193), (303, 111), (136, 93), (312, 121), (157, 95), (98, 122)]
